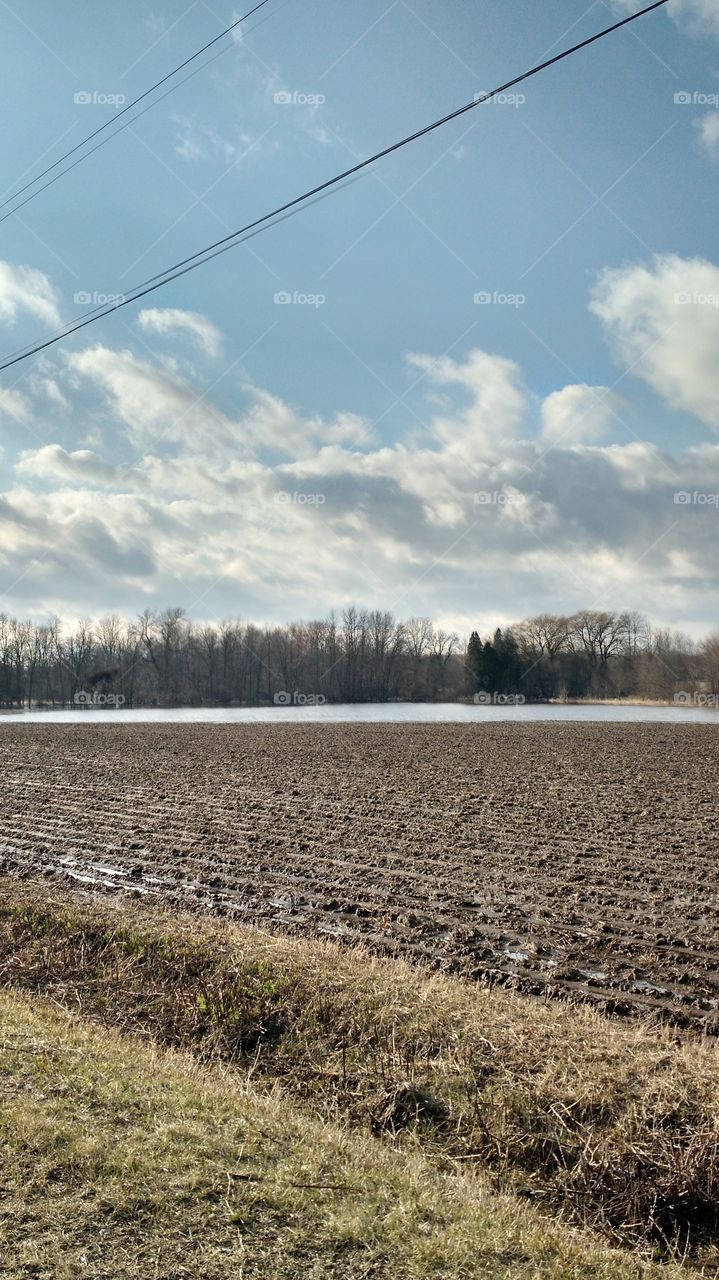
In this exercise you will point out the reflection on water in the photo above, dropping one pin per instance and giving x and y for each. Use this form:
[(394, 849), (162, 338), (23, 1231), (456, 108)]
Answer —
[(366, 713)]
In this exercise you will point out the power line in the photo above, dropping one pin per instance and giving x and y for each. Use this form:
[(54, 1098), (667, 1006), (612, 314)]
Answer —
[(252, 228), (101, 128), (51, 181), (106, 308)]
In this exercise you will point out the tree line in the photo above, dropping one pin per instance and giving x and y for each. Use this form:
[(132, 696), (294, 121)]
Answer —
[(593, 654), (166, 659)]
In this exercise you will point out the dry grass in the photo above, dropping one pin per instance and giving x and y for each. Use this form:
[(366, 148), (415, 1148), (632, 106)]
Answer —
[(614, 1125), (124, 1162)]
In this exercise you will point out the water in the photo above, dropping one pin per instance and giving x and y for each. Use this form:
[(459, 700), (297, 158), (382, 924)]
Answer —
[(369, 713)]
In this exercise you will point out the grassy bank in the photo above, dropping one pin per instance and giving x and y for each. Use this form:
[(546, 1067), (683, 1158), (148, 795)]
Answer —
[(613, 1125), (126, 1162)]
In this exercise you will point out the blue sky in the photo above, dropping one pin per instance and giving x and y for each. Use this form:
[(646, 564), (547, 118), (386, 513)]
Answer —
[(384, 437)]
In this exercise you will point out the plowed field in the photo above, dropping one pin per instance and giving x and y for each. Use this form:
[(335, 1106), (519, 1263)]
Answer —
[(576, 858)]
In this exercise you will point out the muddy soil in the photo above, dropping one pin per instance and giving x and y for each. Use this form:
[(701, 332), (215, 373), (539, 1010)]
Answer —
[(580, 859)]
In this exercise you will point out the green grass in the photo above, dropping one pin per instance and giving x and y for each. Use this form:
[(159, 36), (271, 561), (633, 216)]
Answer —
[(611, 1125)]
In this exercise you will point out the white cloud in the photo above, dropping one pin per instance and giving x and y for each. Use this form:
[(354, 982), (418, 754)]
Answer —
[(663, 322), (399, 526), (53, 393), (165, 320), (29, 290), (196, 141), (14, 404), (153, 404), (157, 405), (708, 127), (578, 415), (52, 462), (497, 404), (698, 16), (189, 146), (464, 516)]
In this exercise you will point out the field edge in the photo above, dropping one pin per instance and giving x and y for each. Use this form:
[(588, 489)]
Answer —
[(609, 1124)]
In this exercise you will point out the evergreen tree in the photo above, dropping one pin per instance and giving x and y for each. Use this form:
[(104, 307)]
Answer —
[(474, 661), (490, 666)]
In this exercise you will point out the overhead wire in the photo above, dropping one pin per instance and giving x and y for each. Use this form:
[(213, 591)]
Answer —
[(9, 200), (218, 247)]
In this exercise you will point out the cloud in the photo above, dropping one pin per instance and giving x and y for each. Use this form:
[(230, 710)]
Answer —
[(152, 403), (158, 406), (496, 407), (14, 404), (50, 388), (196, 141), (578, 415), (273, 513), (63, 551), (52, 462), (174, 319), (700, 17), (26, 289), (708, 127), (663, 323), (189, 145), (257, 506)]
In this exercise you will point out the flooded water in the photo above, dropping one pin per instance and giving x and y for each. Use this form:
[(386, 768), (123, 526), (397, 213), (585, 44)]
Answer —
[(369, 713)]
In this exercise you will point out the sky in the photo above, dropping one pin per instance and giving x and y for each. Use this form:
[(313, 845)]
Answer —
[(478, 382)]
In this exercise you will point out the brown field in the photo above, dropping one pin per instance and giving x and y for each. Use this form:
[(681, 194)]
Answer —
[(567, 858)]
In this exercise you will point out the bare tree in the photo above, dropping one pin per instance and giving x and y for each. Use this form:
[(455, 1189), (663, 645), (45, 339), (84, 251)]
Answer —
[(545, 635), (165, 658), (599, 634), (710, 656)]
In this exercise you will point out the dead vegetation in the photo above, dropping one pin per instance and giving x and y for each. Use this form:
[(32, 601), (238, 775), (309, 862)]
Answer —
[(613, 1125), (124, 1162)]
